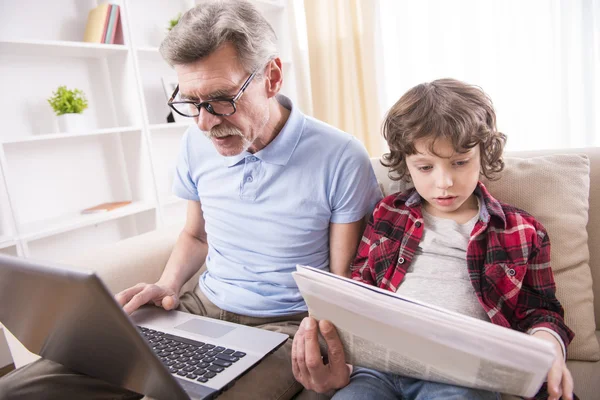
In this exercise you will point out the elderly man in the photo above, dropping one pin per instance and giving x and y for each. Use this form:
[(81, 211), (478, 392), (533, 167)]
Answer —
[(267, 188)]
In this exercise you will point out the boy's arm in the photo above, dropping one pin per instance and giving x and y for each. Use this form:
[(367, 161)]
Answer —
[(552, 333), (538, 306)]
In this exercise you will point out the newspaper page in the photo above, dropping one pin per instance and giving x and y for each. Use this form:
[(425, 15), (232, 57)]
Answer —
[(389, 333)]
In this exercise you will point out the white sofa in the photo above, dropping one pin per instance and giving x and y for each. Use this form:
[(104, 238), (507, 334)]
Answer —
[(551, 185)]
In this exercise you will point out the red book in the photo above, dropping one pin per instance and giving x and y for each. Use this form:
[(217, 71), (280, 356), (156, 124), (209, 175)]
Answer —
[(118, 34), (105, 207)]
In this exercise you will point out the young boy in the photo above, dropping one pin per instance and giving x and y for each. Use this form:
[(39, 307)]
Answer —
[(448, 242)]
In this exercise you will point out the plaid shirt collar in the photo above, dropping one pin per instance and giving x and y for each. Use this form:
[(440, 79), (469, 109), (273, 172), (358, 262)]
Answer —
[(491, 207)]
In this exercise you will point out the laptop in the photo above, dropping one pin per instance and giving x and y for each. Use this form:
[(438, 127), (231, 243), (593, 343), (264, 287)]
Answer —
[(68, 316)]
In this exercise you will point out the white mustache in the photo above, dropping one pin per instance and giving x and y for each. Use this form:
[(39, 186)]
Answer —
[(222, 131)]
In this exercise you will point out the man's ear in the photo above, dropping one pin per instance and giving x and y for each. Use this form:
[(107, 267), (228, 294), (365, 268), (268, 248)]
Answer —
[(274, 77)]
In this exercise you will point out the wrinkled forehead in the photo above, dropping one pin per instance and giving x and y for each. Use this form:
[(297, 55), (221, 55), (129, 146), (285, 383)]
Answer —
[(219, 73)]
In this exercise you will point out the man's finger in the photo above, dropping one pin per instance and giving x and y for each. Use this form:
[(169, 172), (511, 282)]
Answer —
[(144, 297), (125, 296), (314, 361), (295, 343), (301, 360), (170, 302), (335, 348), (295, 368)]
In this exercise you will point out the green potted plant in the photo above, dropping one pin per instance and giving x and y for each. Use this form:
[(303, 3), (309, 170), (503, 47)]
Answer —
[(173, 22), (162, 29), (69, 105)]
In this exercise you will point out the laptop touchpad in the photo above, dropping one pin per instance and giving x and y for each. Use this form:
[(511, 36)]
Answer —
[(205, 328)]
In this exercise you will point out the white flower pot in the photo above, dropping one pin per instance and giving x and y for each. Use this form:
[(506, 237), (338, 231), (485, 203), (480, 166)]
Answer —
[(71, 123)]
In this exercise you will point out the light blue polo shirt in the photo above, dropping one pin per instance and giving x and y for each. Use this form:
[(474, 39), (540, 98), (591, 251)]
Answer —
[(266, 212)]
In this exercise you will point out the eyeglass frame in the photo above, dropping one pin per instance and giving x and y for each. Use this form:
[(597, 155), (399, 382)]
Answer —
[(206, 104)]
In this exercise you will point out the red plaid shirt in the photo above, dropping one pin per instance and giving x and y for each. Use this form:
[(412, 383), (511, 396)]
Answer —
[(508, 258)]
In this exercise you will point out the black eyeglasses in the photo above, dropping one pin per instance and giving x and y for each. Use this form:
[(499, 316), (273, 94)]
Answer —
[(222, 107)]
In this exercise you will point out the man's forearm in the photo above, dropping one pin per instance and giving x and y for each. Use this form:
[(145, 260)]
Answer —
[(343, 241), (187, 257)]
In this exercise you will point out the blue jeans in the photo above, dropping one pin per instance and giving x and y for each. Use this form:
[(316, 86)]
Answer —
[(370, 384)]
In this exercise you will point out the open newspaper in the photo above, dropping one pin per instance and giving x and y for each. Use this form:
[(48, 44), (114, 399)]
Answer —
[(387, 332)]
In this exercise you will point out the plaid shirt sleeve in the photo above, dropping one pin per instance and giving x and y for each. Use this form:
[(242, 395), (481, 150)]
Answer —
[(537, 305), (360, 266)]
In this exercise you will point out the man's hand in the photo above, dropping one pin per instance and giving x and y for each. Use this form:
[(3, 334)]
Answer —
[(307, 363), (560, 381), (143, 293)]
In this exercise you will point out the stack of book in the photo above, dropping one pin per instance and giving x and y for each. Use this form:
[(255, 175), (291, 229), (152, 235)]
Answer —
[(104, 25), (105, 207)]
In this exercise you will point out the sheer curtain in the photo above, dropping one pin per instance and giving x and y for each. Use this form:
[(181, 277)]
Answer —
[(341, 36), (539, 60)]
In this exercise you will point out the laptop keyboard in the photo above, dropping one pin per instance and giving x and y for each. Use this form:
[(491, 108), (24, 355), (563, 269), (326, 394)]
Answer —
[(188, 358)]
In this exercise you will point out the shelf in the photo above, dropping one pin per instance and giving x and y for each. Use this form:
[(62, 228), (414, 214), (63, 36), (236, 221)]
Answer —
[(60, 48), (172, 125), (147, 50), (55, 136), (127, 150), (171, 200), (65, 223), (149, 54), (6, 241)]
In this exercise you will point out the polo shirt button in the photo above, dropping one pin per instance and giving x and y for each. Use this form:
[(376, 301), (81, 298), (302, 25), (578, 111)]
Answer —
[(511, 272), (418, 224), (249, 179), (400, 260), (252, 158)]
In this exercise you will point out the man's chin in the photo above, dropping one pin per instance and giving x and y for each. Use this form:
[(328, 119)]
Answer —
[(229, 152), (228, 146)]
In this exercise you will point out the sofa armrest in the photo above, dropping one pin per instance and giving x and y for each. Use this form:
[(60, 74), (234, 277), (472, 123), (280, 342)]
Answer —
[(137, 259)]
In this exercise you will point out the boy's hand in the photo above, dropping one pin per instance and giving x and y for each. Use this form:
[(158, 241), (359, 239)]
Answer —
[(307, 363), (560, 381)]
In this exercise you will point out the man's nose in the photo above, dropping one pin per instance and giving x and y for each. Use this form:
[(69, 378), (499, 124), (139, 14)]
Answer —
[(206, 121)]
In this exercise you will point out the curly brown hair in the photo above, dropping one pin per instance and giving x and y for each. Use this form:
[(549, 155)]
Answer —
[(443, 109)]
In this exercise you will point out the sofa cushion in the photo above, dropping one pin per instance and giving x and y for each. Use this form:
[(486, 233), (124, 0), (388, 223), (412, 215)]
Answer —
[(585, 376), (555, 189)]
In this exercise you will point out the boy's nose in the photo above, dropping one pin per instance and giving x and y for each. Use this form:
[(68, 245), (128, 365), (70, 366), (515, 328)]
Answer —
[(206, 121), (444, 180)]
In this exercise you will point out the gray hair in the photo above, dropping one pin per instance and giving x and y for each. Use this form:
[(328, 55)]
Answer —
[(204, 28)]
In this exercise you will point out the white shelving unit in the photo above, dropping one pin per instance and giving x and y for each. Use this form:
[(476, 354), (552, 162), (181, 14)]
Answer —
[(128, 150)]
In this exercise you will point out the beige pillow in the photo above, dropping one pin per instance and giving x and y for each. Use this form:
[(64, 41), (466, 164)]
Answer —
[(555, 190)]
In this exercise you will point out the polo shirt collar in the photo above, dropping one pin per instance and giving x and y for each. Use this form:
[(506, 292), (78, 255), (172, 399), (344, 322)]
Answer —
[(280, 150)]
